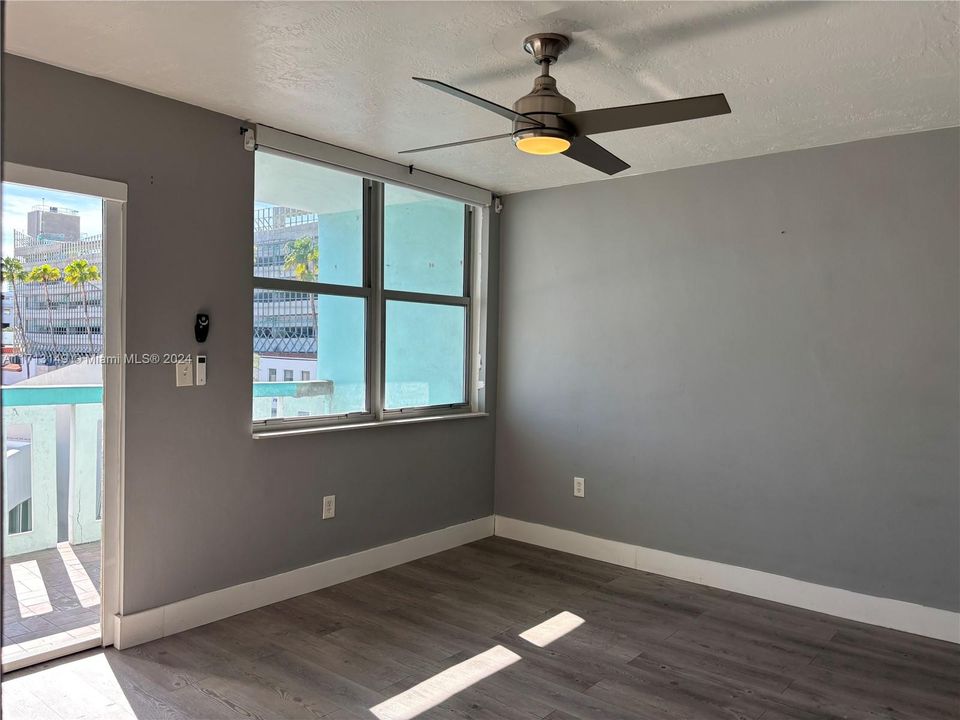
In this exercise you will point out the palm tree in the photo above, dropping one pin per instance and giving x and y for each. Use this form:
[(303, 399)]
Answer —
[(303, 258), (12, 272), (80, 273), (46, 274)]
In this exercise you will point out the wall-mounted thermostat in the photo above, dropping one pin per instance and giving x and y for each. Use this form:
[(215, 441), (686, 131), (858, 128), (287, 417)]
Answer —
[(201, 369)]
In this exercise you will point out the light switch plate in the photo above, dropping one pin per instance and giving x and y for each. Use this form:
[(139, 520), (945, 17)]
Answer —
[(184, 373)]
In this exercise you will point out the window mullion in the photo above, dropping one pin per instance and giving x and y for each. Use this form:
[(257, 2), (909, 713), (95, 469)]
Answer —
[(373, 227), (469, 245)]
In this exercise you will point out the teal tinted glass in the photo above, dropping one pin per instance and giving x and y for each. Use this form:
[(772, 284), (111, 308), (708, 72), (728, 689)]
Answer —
[(425, 350), (423, 242)]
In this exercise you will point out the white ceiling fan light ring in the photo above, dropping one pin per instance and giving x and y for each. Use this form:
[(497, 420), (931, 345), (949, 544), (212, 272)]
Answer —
[(542, 141)]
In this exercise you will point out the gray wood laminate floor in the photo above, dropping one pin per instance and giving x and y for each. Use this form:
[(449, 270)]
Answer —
[(441, 637)]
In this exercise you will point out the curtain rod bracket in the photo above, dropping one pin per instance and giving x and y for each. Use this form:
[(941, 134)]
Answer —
[(249, 138)]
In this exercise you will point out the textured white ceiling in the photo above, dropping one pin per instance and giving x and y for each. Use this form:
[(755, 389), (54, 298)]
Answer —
[(796, 74)]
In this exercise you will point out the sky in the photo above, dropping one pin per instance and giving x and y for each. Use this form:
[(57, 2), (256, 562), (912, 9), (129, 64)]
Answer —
[(19, 199)]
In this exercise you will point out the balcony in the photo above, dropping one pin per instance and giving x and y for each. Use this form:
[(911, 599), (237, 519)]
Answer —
[(53, 475), (292, 399)]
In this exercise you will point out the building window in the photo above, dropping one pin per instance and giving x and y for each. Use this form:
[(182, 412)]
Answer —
[(272, 375), (19, 518), (18, 476), (366, 286)]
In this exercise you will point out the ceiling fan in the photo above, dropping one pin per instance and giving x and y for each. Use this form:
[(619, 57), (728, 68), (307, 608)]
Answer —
[(547, 123)]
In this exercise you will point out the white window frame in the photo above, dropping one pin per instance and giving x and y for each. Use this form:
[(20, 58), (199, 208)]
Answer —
[(375, 173)]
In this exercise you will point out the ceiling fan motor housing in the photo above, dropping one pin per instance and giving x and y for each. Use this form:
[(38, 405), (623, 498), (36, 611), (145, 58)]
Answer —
[(543, 105)]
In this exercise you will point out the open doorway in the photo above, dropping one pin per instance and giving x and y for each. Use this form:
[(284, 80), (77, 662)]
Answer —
[(58, 254)]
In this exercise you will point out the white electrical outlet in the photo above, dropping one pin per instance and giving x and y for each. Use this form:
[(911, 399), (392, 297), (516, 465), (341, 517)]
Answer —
[(329, 506), (184, 373), (578, 489)]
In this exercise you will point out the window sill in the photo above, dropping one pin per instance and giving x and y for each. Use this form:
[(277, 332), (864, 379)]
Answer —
[(266, 433)]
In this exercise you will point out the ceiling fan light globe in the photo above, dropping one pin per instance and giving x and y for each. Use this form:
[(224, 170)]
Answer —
[(542, 144)]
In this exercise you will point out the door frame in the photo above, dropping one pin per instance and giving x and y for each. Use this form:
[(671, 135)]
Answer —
[(114, 196)]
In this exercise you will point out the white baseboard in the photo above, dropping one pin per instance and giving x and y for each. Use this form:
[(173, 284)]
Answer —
[(885, 612), (176, 617)]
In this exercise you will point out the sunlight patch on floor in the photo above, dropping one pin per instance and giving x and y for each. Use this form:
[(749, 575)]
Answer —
[(549, 630), (83, 586), (21, 654), (86, 686), (433, 691), (31, 592)]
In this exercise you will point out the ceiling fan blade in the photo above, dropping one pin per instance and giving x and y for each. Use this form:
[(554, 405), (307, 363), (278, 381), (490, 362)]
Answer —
[(585, 150), (455, 144), (478, 101), (591, 122)]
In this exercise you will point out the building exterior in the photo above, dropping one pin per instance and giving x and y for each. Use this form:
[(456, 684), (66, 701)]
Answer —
[(283, 324), (53, 221), (59, 326)]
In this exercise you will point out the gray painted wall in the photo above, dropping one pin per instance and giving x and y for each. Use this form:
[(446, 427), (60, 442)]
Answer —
[(754, 362), (206, 505)]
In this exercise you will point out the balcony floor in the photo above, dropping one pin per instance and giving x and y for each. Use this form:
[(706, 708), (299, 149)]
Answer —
[(51, 599)]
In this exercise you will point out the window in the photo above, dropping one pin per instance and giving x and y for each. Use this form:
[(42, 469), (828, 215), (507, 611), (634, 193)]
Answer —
[(425, 284), (20, 518), (364, 288), (18, 476)]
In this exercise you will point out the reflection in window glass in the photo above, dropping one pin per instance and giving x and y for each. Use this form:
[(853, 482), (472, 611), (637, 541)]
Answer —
[(425, 350), (308, 222), (321, 336), (423, 242)]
